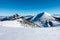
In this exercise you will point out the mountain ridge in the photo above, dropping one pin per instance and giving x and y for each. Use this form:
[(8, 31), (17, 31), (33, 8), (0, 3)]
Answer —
[(43, 19)]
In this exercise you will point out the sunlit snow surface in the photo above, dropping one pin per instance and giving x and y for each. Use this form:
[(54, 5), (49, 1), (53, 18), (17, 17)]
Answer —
[(12, 30), (14, 23), (18, 33)]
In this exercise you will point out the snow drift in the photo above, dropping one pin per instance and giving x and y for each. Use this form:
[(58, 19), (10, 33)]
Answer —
[(17, 33)]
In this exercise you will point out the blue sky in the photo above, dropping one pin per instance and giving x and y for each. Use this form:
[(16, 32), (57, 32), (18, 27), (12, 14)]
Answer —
[(26, 7)]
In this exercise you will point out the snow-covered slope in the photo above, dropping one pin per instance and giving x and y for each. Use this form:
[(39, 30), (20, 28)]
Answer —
[(18, 23), (10, 23), (10, 33), (45, 19)]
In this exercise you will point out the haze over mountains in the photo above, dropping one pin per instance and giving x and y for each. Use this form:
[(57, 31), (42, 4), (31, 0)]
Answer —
[(43, 19)]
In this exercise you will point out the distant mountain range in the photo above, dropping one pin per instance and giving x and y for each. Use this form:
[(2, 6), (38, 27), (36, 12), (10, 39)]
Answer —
[(43, 19)]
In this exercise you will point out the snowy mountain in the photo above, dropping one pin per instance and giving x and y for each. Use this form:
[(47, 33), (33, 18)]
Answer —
[(29, 27), (43, 19), (2, 17), (18, 21), (13, 17)]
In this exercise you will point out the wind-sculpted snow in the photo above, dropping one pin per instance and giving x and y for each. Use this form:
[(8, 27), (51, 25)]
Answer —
[(18, 33)]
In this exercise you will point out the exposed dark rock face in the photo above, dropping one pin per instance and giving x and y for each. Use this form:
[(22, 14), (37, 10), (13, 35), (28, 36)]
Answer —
[(50, 23), (57, 18)]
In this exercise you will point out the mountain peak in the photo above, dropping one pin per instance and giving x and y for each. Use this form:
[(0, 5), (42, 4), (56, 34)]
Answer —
[(46, 16), (43, 17), (46, 13)]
